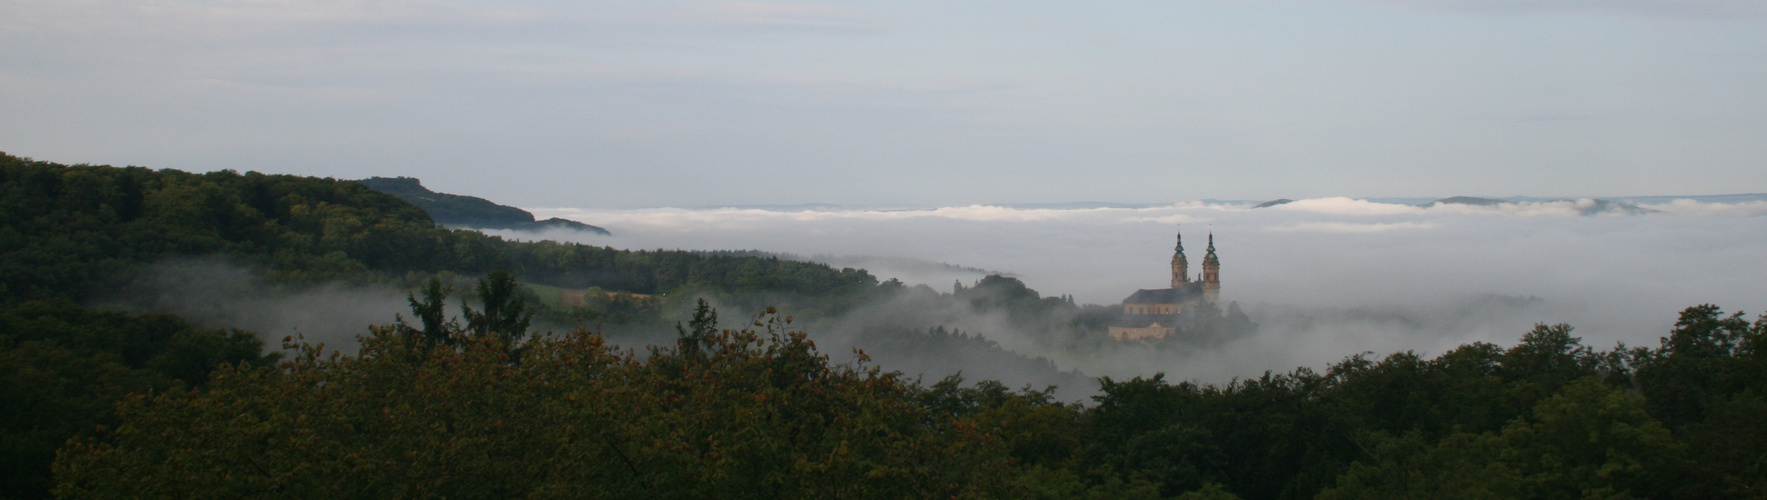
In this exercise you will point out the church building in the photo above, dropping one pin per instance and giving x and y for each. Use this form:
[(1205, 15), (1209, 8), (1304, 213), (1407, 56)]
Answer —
[(1156, 313)]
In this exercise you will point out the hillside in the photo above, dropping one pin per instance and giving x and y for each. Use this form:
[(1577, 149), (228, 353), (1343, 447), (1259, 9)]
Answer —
[(468, 211), (68, 230), (71, 232)]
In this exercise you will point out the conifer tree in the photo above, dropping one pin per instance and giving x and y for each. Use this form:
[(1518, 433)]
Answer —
[(506, 313)]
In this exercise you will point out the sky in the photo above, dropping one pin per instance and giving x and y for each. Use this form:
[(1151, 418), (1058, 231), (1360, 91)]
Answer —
[(636, 105)]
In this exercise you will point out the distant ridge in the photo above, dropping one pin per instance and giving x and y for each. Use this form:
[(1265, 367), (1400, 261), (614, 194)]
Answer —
[(468, 211), (1466, 200), (1273, 203)]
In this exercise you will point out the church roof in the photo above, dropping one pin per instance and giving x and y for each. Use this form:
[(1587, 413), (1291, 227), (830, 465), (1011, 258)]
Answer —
[(1188, 292), (1210, 258)]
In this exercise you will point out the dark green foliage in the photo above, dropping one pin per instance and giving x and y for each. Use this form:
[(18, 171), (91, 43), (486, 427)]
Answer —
[(1590, 440), (1547, 418), (691, 345), (71, 231), (63, 368), (1544, 419), (1729, 448), (762, 416), (431, 312), (504, 312), (66, 230), (1700, 363)]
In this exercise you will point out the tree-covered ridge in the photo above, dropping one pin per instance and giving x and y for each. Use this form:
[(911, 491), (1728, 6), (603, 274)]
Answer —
[(468, 211), (65, 230), (70, 233), (758, 412)]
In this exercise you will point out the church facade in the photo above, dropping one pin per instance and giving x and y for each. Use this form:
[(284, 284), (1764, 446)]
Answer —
[(1156, 313)]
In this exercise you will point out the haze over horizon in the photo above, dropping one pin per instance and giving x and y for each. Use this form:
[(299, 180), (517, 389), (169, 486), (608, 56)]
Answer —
[(624, 105)]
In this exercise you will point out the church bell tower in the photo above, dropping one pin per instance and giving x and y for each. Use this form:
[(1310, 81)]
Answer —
[(1180, 266), (1211, 273)]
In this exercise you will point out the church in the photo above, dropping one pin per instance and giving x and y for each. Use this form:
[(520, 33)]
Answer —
[(1156, 313)]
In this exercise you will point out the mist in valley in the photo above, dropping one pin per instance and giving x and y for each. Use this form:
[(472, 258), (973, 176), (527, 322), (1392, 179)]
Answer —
[(217, 292), (1323, 278)]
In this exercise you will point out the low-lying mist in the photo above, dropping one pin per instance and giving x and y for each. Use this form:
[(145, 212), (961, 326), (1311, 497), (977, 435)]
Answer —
[(1325, 278), (215, 292)]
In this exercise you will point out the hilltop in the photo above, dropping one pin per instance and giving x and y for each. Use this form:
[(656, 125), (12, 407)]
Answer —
[(468, 211)]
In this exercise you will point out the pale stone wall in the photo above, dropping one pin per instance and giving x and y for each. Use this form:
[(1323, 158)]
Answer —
[(1153, 331), (1152, 308)]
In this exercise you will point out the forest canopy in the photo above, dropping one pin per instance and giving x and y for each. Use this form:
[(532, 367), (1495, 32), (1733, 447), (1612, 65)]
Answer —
[(758, 412), (66, 231)]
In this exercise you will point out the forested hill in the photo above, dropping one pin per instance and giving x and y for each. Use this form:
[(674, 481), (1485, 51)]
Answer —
[(67, 230), (468, 211), (70, 232)]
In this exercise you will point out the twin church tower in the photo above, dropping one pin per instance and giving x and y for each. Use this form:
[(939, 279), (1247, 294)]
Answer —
[(1211, 278), (1156, 313)]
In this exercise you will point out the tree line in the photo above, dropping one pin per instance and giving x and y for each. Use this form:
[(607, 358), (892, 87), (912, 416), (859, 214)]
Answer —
[(759, 412), (68, 230)]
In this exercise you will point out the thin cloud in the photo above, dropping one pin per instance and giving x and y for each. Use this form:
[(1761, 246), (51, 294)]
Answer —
[(686, 218), (1345, 206), (770, 15), (1693, 207), (1353, 227), (1675, 9), (1561, 208), (250, 18), (328, 24)]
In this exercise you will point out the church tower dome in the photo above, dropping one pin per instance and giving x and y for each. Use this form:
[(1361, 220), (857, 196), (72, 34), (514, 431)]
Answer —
[(1211, 272), (1180, 266)]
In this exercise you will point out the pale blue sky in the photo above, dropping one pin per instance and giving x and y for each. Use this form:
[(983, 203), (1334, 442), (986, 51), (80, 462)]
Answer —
[(930, 103)]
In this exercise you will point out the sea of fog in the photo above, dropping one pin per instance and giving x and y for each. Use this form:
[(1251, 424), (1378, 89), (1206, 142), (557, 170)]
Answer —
[(1326, 278)]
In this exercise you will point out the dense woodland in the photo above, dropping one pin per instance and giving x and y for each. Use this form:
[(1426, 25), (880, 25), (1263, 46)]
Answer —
[(133, 404)]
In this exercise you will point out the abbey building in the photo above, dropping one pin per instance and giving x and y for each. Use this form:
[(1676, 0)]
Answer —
[(1156, 313)]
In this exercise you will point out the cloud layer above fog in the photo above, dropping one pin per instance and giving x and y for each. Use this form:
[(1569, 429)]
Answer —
[(1670, 9)]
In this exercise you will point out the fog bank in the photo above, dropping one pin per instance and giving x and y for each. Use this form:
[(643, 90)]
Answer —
[(1326, 278), (219, 293)]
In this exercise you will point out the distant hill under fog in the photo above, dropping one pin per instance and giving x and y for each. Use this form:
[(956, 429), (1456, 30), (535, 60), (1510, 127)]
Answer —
[(468, 211)]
